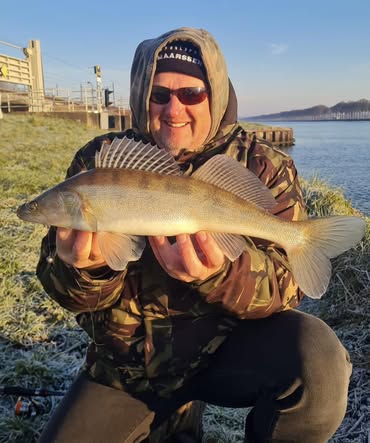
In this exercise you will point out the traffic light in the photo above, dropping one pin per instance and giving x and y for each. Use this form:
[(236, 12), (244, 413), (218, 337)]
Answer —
[(107, 93), (97, 70)]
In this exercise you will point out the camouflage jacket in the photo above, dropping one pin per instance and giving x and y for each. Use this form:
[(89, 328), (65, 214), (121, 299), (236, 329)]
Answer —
[(151, 332)]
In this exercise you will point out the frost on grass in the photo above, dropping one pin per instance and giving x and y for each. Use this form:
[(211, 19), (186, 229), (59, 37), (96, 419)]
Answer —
[(40, 344), (223, 424)]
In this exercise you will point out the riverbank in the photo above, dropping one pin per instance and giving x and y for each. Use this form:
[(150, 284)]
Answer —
[(337, 152), (41, 344)]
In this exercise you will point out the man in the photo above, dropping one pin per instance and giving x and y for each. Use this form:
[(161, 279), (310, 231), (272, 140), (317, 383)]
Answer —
[(183, 322)]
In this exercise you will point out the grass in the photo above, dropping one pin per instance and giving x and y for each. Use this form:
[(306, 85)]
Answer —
[(41, 344), (349, 289), (346, 308)]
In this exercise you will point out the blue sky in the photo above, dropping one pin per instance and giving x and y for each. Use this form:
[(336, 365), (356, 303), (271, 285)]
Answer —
[(281, 54)]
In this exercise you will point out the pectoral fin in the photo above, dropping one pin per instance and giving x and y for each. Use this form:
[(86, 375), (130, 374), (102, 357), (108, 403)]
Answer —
[(119, 249)]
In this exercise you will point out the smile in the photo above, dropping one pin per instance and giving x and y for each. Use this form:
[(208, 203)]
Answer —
[(176, 125)]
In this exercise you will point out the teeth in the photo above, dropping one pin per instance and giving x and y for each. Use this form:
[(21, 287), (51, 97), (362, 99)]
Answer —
[(176, 125)]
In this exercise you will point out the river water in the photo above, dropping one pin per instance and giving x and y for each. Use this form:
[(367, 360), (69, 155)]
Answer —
[(337, 152)]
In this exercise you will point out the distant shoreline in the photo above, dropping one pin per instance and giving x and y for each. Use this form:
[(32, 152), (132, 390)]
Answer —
[(352, 110), (260, 121)]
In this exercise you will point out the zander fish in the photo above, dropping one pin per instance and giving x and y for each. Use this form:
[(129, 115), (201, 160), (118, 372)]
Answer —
[(137, 190)]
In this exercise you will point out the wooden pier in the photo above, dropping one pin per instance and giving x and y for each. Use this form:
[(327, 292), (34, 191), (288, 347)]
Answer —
[(278, 136)]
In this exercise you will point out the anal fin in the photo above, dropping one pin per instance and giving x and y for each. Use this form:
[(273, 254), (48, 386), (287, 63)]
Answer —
[(232, 245)]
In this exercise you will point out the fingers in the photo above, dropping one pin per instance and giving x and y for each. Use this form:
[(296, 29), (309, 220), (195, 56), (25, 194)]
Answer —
[(82, 245), (166, 254), (64, 243), (190, 258), (157, 245), (64, 234), (78, 248), (169, 258), (95, 253), (212, 253), (73, 246)]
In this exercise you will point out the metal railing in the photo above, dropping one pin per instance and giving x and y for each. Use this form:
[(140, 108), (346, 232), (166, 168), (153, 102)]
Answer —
[(57, 100)]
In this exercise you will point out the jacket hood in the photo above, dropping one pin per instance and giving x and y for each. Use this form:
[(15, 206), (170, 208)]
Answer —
[(223, 101)]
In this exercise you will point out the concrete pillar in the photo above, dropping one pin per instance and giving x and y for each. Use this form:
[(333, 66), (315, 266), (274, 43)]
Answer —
[(33, 54), (104, 121)]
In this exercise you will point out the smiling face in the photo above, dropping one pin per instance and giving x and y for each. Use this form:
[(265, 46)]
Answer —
[(176, 126)]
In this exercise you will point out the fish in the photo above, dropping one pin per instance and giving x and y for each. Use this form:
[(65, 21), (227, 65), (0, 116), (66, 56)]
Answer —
[(137, 189)]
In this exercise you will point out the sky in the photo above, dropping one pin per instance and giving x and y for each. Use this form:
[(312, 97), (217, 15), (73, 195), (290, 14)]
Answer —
[(281, 54)]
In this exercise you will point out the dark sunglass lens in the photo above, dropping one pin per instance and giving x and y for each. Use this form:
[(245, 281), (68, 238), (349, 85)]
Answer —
[(160, 95), (187, 96), (191, 96)]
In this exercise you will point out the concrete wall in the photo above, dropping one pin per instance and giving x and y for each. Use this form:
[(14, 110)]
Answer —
[(91, 120), (94, 120)]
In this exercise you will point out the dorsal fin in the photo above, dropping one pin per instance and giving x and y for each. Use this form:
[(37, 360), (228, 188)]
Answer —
[(228, 174), (129, 154)]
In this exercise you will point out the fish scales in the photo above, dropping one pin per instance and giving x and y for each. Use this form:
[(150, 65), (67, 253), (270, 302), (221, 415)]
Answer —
[(143, 203)]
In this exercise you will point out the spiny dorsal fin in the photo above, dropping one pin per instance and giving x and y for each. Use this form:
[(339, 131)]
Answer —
[(228, 174), (127, 153)]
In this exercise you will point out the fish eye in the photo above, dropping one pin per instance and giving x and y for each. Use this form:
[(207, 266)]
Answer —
[(32, 206)]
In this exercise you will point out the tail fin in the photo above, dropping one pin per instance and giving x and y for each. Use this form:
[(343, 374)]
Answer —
[(325, 238)]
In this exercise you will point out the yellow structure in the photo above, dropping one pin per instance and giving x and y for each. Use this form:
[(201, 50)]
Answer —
[(27, 72)]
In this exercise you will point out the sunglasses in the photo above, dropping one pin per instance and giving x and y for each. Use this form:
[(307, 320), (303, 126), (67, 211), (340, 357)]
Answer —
[(187, 96)]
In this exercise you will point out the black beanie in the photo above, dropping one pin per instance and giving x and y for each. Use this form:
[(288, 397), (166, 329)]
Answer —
[(183, 57)]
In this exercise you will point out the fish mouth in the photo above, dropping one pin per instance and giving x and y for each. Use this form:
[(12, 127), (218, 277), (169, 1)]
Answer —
[(25, 211), (21, 210)]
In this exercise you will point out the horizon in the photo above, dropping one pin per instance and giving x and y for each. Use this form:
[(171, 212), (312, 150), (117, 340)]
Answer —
[(281, 56), (342, 102)]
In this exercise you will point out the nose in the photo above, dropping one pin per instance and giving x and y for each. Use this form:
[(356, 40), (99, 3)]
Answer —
[(174, 106)]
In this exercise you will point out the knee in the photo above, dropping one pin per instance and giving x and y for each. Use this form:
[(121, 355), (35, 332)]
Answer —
[(323, 355), (309, 401), (326, 370)]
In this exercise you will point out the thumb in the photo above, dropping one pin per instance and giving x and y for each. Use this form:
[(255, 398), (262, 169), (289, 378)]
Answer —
[(82, 244)]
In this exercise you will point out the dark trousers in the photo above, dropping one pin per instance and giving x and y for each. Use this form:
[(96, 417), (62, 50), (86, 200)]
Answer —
[(290, 368)]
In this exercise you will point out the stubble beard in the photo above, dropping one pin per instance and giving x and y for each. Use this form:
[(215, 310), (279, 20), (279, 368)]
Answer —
[(174, 147)]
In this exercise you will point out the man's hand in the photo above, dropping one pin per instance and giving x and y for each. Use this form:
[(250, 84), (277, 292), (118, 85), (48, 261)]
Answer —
[(192, 257), (79, 248)]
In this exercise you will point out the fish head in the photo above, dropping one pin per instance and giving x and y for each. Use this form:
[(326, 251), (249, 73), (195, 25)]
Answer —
[(55, 207)]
